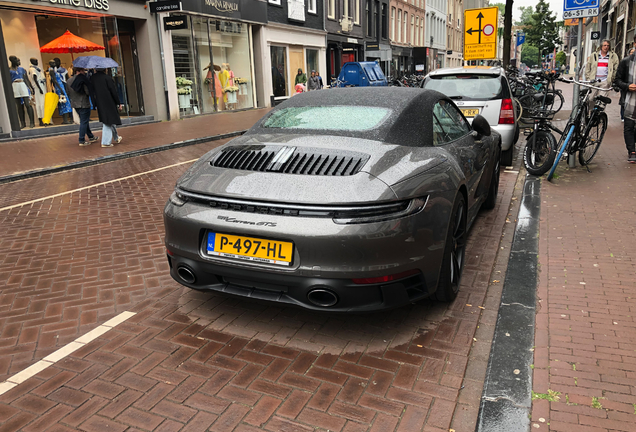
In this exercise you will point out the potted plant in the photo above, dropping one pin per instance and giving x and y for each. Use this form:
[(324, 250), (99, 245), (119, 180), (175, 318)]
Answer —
[(231, 91), (184, 92)]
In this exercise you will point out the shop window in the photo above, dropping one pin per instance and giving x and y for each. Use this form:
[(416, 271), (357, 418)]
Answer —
[(213, 66), (279, 71), (24, 32), (312, 61)]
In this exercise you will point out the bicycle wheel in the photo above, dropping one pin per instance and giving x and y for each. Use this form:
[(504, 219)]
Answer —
[(558, 101), (592, 140), (538, 156), (530, 105), (566, 141)]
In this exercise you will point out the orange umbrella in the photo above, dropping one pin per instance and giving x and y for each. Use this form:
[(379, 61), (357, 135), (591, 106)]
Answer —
[(69, 43)]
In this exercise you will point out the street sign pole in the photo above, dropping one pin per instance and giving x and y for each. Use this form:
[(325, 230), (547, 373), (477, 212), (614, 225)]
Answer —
[(577, 68)]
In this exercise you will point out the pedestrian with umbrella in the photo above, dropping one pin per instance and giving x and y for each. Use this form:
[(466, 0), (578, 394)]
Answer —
[(108, 106), (79, 90)]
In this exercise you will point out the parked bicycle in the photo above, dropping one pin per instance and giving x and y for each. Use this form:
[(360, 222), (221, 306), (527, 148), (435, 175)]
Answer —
[(583, 133), (537, 92)]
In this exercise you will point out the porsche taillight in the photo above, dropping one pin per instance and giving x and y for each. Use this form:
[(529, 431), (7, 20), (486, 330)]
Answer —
[(507, 114)]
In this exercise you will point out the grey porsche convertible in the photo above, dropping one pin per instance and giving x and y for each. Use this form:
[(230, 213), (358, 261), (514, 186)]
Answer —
[(354, 199)]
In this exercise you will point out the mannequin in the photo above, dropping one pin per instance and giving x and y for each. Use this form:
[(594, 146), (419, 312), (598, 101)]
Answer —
[(61, 69), (22, 91), (215, 89), (37, 75), (227, 80), (224, 76), (59, 86)]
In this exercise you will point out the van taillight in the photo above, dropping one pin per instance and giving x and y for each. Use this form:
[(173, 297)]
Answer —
[(507, 114)]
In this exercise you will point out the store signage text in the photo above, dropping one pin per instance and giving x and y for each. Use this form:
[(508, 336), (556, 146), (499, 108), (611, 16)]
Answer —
[(165, 6), (89, 4), (175, 22), (223, 5)]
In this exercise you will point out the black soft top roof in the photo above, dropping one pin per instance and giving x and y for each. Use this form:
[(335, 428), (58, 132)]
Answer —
[(409, 124)]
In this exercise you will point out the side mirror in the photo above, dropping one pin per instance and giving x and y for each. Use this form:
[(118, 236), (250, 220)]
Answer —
[(481, 125)]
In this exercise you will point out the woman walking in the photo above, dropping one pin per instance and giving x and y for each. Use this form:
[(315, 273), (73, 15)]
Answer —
[(108, 106)]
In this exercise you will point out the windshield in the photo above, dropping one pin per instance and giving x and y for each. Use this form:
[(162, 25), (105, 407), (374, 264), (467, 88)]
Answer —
[(466, 86), (343, 118)]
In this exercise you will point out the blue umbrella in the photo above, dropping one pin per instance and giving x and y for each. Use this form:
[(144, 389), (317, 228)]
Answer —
[(94, 62)]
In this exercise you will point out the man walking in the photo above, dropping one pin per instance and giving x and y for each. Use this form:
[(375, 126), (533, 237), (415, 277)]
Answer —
[(79, 91), (301, 78), (108, 106), (601, 66), (626, 81), (312, 83)]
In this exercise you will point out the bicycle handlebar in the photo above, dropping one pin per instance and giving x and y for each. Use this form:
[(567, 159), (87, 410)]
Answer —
[(585, 84)]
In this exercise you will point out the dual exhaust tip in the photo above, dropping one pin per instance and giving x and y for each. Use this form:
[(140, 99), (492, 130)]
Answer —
[(318, 296)]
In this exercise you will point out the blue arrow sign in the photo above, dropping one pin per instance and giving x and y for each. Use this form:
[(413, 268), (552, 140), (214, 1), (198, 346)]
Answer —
[(521, 38)]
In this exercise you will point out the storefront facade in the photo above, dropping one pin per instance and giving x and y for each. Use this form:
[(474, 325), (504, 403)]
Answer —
[(125, 31), (209, 55), (293, 39)]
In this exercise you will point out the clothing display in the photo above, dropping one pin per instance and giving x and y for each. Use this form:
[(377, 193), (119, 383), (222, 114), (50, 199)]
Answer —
[(58, 84), (20, 89), (215, 88), (39, 81)]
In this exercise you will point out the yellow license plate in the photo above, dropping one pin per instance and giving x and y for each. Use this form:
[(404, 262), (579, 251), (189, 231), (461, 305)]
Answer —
[(250, 249), (470, 112)]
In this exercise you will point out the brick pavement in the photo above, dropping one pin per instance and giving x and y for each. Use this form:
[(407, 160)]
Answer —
[(190, 360), (585, 336), (34, 154)]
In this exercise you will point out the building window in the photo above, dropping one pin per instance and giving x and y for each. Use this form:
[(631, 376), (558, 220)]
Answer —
[(311, 6), (275, 2), (412, 29), (406, 28), (376, 6), (399, 26), (331, 9), (345, 9), (356, 13), (384, 20), (369, 17), (393, 24), (417, 31)]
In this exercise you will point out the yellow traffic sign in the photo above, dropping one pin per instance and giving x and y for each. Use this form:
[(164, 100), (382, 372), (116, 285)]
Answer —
[(480, 33)]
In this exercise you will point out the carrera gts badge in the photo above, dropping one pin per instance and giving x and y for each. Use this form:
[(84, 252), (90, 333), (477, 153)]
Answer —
[(243, 222)]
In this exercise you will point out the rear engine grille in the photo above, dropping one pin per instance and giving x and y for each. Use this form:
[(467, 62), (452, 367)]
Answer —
[(291, 160)]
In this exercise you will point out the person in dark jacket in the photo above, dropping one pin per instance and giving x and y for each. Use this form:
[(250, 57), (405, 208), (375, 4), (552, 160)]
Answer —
[(626, 81), (108, 106), (79, 90)]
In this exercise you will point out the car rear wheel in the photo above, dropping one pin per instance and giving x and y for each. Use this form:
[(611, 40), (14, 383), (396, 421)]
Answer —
[(454, 253)]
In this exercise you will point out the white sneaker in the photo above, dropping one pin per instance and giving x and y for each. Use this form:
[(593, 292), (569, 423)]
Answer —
[(119, 138)]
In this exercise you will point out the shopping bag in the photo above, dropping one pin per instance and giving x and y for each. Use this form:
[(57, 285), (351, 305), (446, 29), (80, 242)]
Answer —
[(50, 103)]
